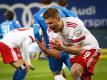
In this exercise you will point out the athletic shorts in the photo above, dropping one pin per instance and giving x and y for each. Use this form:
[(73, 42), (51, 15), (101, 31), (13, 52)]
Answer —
[(87, 60), (57, 64), (8, 54)]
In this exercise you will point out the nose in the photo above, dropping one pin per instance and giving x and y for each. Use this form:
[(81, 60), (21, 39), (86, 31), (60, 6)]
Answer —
[(49, 26)]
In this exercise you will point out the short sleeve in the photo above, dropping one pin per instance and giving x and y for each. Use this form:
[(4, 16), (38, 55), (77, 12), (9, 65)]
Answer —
[(75, 30), (78, 35)]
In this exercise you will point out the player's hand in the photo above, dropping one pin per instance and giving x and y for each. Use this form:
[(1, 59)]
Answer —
[(42, 44), (58, 44), (29, 66)]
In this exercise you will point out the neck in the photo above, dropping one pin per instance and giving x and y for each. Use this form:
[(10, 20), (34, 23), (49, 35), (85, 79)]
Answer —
[(61, 25)]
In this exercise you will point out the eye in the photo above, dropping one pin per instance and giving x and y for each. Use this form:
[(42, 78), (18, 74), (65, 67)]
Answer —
[(50, 23)]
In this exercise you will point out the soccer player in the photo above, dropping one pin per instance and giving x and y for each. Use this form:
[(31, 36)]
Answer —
[(9, 24), (14, 43), (81, 43), (55, 65)]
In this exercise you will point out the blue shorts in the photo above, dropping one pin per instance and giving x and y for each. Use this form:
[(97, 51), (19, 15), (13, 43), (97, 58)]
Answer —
[(56, 64)]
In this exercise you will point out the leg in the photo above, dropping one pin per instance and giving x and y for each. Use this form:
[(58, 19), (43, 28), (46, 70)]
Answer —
[(76, 71), (21, 70), (56, 67), (66, 60), (86, 76), (63, 71), (84, 64), (65, 57), (12, 56)]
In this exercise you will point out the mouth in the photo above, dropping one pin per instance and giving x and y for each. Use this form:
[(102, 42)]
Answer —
[(53, 28)]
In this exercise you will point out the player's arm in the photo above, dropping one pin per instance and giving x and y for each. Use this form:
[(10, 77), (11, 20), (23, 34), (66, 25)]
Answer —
[(75, 49), (36, 28), (50, 52), (76, 39)]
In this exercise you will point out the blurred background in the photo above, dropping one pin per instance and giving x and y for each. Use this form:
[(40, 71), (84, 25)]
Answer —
[(92, 12)]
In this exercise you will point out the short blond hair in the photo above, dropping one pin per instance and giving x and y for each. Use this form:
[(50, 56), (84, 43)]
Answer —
[(51, 13)]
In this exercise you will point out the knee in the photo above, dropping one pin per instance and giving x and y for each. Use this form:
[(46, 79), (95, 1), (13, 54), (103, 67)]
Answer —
[(76, 70)]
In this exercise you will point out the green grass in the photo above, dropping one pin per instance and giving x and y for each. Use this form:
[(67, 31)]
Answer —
[(42, 71)]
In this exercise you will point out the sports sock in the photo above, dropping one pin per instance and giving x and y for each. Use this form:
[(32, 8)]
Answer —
[(59, 77), (20, 73)]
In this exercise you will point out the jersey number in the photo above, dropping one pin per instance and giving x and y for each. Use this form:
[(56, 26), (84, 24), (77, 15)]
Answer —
[(87, 54)]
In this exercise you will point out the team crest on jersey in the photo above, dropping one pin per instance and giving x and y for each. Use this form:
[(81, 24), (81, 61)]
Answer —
[(78, 33)]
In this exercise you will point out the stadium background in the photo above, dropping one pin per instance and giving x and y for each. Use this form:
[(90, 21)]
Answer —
[(92, 12)]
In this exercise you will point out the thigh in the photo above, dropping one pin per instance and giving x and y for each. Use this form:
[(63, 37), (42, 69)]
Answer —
[(55, 64), (9, 55), (88, 59), (66, 59)]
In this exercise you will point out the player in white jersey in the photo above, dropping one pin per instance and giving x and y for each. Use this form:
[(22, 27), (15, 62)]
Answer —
[(14, 43), (80, 42)]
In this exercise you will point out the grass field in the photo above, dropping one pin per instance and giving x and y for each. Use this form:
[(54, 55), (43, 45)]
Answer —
[(42, 71)]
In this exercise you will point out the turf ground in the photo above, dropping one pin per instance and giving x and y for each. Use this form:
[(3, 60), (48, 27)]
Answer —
[(42, 71)]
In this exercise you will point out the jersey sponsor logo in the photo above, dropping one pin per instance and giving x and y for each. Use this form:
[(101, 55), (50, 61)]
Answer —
[(71, 24)]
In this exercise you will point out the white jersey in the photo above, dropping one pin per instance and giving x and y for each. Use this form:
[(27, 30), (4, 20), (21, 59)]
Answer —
[(53, 36), (19, 37), (74, 31)]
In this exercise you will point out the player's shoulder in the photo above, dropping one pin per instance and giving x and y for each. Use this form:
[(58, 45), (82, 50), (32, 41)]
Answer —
[(73, 20), (15, 22)]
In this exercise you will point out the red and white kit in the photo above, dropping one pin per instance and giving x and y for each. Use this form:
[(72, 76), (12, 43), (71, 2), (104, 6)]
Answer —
[(75, 32), (15, 41)]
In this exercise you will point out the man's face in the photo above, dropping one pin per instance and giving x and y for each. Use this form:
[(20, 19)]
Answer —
[(53, 23)]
